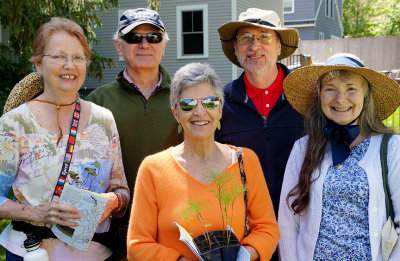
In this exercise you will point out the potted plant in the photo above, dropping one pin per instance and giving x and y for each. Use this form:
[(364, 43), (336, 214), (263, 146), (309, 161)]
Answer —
[(221, 244)]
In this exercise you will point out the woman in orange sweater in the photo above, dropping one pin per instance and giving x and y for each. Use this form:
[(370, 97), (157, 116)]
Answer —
[(167, 179)]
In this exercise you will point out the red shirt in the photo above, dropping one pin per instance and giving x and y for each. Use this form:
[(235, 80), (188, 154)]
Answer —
[(265, 99)]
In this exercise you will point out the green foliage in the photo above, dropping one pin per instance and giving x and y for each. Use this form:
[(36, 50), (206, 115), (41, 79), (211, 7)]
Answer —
[(194, 210), (3, 224), (153, 4), (370, 18), (226, 195), (22, 18), (394, 121), (10, 73)]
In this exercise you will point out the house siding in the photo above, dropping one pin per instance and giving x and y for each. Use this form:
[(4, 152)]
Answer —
[(307, 33), (312, 13), (106, 48), (276, 6), (303, 10), (219, 12), (329, 26)]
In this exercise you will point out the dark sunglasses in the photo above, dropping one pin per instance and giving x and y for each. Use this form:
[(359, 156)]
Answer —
[(209, 102), (135, 38)]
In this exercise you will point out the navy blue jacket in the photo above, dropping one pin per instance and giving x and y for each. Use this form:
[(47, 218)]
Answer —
[(271, 140)]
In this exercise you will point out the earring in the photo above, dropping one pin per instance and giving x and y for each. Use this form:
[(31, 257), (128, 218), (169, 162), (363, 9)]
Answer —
[(219, 125), (179, 128)]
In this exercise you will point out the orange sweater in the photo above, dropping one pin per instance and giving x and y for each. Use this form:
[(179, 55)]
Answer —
[(162, 187)]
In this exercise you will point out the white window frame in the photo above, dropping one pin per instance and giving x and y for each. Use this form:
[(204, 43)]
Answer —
[(321, 36), (329, 8), (289, 12), (179, 38)]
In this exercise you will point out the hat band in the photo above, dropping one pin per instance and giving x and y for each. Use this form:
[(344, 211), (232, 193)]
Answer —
[(344, 60), (259, 21)]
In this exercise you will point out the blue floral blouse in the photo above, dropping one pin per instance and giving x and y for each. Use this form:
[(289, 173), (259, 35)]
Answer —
[(344, 229)]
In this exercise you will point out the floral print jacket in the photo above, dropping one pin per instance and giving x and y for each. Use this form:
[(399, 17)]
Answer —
[(30, 160)]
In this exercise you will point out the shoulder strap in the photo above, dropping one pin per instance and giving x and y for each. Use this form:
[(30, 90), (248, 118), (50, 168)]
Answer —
[(244, 183), (69, 150), (383, 153)]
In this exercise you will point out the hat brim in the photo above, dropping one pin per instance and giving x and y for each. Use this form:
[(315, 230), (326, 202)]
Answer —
[(130, 27), (289, 39), (25, 90), (299, 88)]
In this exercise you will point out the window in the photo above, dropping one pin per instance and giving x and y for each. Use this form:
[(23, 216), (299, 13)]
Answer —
[(192, 31), (321, 36), (329, 8), (288, 6)]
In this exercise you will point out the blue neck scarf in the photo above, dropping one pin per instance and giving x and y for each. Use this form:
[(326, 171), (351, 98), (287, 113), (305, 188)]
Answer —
[(341, 136)]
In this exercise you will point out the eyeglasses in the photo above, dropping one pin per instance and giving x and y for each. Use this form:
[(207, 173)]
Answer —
[(209, 102), (247, 38), (135, 38), (332, 92), (63, 59)]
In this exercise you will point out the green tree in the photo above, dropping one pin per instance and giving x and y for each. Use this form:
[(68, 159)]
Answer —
[(22, 18), (366, 18)]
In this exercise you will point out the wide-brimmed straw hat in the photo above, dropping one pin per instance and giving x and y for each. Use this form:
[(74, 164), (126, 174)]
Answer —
[(261, 18), (24, 91), (300, 85)]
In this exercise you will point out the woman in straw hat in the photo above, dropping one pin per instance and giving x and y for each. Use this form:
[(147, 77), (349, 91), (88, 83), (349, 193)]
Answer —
[(332, 201), (56, 138)]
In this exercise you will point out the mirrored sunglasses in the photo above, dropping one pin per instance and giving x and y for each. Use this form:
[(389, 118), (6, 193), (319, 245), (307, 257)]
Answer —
[(135, 38), (189, 104)]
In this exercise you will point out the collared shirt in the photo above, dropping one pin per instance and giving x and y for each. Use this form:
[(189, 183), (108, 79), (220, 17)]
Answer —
[(265, 99), (158, 84)]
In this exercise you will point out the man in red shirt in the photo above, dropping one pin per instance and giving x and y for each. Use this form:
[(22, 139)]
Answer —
[(256, 113)]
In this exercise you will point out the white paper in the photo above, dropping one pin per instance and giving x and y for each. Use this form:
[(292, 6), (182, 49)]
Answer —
[(91, 207), (185, 237)]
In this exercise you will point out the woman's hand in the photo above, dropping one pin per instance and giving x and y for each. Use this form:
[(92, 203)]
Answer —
[(252, 251), (112, 204), (56, 213)]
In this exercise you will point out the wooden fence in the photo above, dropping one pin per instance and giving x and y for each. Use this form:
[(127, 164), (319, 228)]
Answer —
[(378, 53)]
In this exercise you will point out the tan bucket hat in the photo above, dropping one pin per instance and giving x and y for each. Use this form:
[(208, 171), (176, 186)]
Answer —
[(24, 91), (300, 85), (262, 18)]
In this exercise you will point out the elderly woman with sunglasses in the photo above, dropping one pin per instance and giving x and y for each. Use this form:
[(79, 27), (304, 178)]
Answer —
[(53, 139), (167, 179), (332, 203)]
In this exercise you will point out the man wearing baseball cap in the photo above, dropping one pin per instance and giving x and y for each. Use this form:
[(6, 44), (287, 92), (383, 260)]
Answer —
[(256, 113), (139, 100)]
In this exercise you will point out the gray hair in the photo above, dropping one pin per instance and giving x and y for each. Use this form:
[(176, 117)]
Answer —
[(192, 74), (117, 36)]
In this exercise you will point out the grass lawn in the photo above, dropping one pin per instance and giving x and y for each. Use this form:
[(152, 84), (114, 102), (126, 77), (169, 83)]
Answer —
[(3, 224)]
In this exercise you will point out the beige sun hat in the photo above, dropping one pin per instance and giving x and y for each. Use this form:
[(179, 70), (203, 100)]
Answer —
[(25, 90), (300, 85), (261, 18)]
